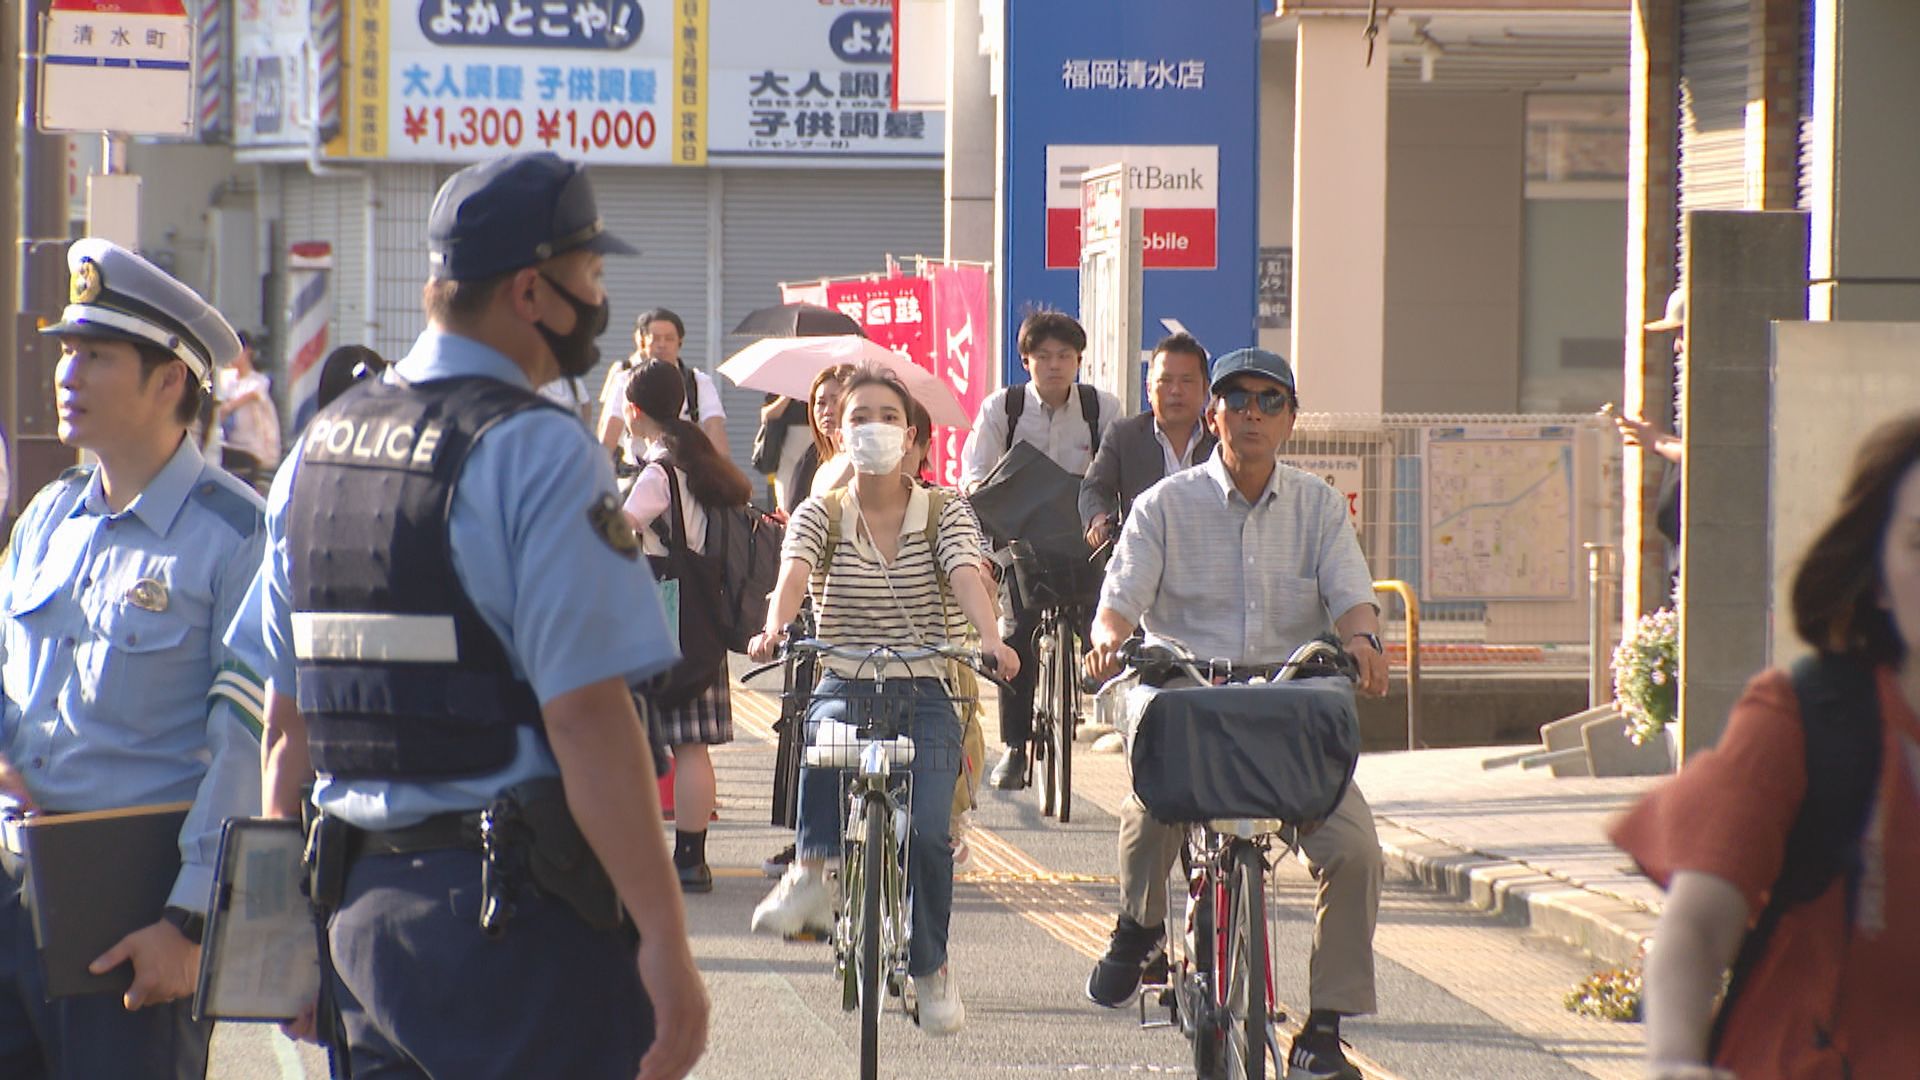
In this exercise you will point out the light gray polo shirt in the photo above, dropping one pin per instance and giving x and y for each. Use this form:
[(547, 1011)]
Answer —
[(1199, 567)]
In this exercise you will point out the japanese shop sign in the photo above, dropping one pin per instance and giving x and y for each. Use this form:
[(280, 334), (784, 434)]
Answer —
[(940, 321), (1175, 188), (810, 83), (1170, 87), (273, 102), (468, 80), (120, 66), (555, 24)]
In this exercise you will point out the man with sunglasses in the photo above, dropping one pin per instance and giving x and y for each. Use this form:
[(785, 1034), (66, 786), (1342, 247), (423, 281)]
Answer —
[(1245, 559)]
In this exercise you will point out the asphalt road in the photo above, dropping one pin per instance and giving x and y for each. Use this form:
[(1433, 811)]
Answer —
[(1461, 995)]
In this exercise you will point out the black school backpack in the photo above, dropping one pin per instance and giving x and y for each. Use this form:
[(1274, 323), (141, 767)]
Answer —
[(1016, 402), (747, 543), (1840, 723)]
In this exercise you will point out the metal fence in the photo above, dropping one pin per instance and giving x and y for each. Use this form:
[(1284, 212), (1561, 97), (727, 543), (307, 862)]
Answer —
[(1486, 517)]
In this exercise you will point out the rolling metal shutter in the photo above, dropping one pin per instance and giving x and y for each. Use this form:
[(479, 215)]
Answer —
[(1713, 106), (663, 212), (795, 224)]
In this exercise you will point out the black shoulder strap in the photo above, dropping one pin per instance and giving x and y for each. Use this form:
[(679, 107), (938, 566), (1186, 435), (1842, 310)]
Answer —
[(673, 534), (1090, 412), (1840, 727), (1016, 404), (693, 392)]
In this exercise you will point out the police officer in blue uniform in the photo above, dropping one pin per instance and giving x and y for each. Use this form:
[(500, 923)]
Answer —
[(455, 610), (119, 690)]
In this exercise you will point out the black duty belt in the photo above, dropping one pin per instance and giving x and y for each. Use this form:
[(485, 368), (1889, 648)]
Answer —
[(442, 832)]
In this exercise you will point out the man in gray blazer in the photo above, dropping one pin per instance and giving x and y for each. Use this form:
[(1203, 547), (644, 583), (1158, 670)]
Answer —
[(1140, 451)]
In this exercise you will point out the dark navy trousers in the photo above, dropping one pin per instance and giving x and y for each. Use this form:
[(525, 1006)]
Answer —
[(424, 993), (87, 1037)]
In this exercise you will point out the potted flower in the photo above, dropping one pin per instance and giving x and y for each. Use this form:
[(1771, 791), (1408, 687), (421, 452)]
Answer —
[(1646, 674)]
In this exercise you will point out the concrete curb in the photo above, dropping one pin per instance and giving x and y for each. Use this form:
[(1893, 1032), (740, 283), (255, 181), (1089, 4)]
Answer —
[(1608, 928)]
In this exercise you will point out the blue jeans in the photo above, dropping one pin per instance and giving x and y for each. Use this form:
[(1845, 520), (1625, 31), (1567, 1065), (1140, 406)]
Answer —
[(935, 730)]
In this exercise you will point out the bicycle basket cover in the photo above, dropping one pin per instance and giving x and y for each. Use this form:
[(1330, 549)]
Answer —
[(1277, 750)]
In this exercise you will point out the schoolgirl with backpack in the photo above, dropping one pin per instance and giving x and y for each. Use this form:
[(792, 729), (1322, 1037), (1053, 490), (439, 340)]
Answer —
[(678, 503)]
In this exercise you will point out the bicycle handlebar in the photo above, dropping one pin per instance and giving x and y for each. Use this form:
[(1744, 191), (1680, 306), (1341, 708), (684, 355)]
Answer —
[(881, 656), (1318, 653)]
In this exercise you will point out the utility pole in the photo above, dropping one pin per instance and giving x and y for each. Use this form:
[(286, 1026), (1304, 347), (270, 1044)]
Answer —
[(35, 276)]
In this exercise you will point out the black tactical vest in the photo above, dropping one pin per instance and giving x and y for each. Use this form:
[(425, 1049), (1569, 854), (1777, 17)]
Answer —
[(400, 678)]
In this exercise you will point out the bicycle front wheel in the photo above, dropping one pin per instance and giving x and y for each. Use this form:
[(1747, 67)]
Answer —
[(1245, 980), (1066, 711), (873, 821)]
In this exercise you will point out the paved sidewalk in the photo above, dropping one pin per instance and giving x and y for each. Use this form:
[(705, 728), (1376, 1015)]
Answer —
[(1523, 843)]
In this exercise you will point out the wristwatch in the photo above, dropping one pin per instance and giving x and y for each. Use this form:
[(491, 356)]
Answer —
[(1371, 639), (191, 924)]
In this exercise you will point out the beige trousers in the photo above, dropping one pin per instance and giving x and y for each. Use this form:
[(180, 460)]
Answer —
[(1343, 855)]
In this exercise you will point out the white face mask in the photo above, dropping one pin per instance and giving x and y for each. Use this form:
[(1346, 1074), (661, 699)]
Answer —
[(875, 449)]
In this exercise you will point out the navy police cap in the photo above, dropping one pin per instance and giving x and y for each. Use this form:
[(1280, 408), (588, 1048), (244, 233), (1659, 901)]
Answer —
[(114, 293), (500, 215), (1253, 362)]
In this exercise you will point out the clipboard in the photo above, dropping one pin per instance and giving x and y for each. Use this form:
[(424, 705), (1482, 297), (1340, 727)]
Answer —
[(260, 960), (93, 878)]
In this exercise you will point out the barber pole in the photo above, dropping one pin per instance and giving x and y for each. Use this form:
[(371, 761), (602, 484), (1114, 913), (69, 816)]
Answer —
[(326, 54), (211, 30), (309, 307)]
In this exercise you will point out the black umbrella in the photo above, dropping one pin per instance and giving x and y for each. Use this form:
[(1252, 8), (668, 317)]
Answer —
[(797, 320)]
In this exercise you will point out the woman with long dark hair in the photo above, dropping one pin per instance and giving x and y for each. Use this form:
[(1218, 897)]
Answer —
[(823, 420), (1791, 851), (679, 456)]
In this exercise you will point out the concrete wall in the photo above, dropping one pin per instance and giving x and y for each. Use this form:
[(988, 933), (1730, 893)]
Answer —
[(1744, 271), (1862, 371), (1575, 286), (180, 182), (1455, 176)]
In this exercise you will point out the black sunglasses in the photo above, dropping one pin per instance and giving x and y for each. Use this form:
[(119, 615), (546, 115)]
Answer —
[(1271, 401)]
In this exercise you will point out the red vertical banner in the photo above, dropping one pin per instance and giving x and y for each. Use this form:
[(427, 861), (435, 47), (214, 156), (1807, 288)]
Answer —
[(962, 350)]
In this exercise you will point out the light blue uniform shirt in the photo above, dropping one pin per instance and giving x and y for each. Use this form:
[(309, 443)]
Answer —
[(569, 609), (120, 690)]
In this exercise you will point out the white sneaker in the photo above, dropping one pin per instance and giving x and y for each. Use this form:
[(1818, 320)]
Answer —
[(938, 997), (800, 902)]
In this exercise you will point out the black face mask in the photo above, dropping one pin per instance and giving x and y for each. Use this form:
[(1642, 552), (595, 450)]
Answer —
[(576, 351)]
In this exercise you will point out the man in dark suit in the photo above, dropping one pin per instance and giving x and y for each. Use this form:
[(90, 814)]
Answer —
[(1140, 451)]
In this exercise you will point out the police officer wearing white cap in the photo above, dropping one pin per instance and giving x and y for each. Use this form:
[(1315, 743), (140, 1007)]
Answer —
[(119, 691), (455, 609)]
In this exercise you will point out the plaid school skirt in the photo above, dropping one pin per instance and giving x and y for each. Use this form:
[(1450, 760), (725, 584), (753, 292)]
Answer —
[(707, 719)]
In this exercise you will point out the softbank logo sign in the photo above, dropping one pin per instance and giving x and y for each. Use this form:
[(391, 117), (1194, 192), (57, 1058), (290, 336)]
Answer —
[(1176, 188)]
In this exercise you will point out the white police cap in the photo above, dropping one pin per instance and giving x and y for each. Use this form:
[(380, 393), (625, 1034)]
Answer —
[(114, 293)]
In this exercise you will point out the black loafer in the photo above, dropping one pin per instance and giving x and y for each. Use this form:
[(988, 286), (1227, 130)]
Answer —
[(697, 878)]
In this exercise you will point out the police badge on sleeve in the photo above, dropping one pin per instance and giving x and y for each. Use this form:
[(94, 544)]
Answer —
[(610, 524)]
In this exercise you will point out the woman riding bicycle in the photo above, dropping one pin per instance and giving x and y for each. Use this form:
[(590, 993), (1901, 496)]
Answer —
[(883, 585)]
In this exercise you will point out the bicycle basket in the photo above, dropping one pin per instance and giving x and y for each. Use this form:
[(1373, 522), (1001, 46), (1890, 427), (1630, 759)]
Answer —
[(1280, 750), (1052, 577)]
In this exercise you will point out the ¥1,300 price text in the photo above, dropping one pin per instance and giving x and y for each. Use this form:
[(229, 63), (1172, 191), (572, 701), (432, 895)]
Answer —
[(510, 128)]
